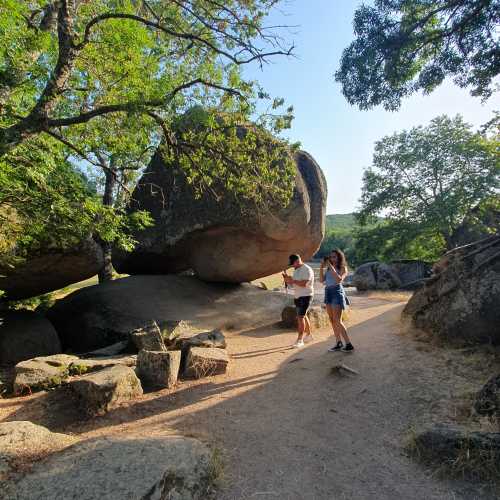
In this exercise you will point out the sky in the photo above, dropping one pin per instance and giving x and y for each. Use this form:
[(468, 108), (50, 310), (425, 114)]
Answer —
[(340, 137)]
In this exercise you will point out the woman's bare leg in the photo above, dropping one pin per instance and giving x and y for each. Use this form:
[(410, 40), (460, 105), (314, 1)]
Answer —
[(331, 315), (338, 324)]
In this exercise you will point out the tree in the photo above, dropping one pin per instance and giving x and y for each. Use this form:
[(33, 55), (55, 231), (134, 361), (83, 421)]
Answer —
[(108, 80), (426, 180), (405, 46)]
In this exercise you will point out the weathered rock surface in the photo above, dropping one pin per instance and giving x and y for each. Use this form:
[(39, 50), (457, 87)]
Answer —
[(220, 239), (109, 312), (25, 335), (447, 443), (488, 398), (158, 368), (317, 316), (88, 365), (50, 270), (461, 301), (111, 350), (205, 362), (148, 337), (22, 439), (390, 276), (42, 373), (114, 468), (215, 339), (106, 389)]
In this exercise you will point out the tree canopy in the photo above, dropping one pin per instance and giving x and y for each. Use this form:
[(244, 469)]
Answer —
[(405, 46), (103, 84), (426, 180)]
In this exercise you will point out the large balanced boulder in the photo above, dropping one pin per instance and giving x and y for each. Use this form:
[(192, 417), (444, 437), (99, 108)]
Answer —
[(25, 335), (118, 468), (405, 274), (51, 269), (106, 389), (223, 239), (97, 316), (461, 301)]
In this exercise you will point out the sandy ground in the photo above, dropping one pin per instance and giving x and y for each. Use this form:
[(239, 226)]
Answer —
[(288, 428)]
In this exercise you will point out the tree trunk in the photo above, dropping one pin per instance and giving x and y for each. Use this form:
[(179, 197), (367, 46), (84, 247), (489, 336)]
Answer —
[(106, 272)]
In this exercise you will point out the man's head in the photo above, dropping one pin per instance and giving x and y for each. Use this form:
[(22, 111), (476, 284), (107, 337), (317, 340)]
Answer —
[(295, 261)]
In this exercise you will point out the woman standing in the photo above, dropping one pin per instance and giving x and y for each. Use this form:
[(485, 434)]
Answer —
[(332, 272)]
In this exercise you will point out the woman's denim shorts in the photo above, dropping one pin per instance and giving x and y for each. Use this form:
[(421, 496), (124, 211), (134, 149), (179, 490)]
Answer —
[(335, 296)]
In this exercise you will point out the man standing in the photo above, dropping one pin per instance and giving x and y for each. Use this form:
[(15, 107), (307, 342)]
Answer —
[(303, 286)]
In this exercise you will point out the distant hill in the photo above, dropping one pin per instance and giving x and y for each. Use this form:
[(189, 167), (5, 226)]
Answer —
[(340, 221)]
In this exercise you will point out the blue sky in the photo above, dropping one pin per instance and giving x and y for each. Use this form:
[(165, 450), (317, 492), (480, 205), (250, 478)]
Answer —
[(340, 137)]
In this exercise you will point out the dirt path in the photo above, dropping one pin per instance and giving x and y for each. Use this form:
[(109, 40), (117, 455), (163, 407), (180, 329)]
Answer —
[(289, 429)]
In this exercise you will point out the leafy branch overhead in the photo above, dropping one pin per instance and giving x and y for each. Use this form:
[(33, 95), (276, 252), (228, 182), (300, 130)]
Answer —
[(405, 46)]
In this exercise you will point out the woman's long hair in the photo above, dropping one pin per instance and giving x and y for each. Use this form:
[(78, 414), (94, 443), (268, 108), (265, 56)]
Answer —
[(341, 260)]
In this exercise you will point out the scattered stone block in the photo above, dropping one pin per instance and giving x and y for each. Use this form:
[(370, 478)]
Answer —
[(158, 368), (148, 338), (110, 350), (204, 362), (213, 339), (42, 373), (172, 330), (104, 390)]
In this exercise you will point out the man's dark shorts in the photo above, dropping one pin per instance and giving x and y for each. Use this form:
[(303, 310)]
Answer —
[(302, 305)]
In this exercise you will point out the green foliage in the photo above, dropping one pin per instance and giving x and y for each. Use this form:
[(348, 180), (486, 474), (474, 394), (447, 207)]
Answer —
[(405, 46), (426, 181), (40, 303)]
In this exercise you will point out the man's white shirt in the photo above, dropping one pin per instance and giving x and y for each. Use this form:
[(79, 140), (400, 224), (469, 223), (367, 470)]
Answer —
[(303, 273)]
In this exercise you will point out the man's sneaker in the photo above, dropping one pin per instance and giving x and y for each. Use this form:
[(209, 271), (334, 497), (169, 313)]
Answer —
[(347, 348), (337, 347), (298, 344), (308, 338)]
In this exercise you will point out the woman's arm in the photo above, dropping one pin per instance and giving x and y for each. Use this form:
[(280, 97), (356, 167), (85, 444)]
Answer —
[(338, 276)]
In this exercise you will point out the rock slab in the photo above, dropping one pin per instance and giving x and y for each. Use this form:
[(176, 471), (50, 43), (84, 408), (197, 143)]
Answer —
[(488, 398), (205, 362), (106, 389), (42, 373), (158, 368), (23, 439), (222, 240), (214, 338), (25, 335), (113, 468)]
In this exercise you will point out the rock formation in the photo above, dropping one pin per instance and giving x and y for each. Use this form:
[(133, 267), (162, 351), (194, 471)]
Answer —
[(51, 269), (222, 240), (461, 301), (403, 274)]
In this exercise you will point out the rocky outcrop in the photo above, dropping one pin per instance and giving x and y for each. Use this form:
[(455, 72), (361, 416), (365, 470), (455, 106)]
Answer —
[(97, 316), (135, 467), (42, 373), (222, 240), (402, 274), (21, 439), (49, 270), (159, 368), (205, 362), (25, 335), (106, 389), (461, 301)]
